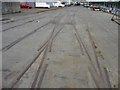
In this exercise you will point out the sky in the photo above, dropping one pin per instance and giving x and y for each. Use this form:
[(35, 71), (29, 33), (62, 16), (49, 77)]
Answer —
[(56, 0), (102, 0)]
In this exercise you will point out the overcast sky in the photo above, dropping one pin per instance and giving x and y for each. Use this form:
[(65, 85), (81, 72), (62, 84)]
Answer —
[(49, 0), (102, 0)]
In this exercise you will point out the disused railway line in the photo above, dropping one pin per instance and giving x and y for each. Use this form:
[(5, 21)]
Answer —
[(43, 49), (99, 74), (30, 21), (24, 18), (7, 47)]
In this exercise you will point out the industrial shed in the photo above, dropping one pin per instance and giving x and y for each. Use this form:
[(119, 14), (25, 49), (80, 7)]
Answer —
[(10, 7)]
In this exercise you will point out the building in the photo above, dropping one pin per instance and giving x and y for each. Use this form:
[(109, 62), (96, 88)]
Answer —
[(10, 7)]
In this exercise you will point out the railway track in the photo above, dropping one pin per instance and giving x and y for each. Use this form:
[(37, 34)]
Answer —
[(102, 71), (16, 20), (99, 74), (26, 21), (7, 47), (44, 48), (30, 21), (37, 14), (24, 18)]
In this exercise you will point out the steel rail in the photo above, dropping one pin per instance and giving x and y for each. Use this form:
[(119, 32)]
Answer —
[(42, 76), (7, 47), (40, 66), (22, 24), (79, 43), (90, 59), (103, 73), (52, 38), (25, 22), (93, 46), (29, 65)]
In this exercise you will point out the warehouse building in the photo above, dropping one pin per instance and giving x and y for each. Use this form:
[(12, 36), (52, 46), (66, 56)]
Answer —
[(10, 7)]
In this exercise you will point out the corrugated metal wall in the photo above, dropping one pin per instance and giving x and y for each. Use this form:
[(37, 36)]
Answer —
[(10, 7)]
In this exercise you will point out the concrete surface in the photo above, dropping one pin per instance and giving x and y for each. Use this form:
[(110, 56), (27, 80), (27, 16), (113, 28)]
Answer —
[(67, 67)]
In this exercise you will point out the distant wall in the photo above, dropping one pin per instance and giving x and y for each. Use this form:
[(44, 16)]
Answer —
[(108, 4), (10, 7)]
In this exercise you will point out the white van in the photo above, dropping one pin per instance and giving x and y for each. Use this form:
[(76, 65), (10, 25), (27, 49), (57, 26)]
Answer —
[(42, 5)]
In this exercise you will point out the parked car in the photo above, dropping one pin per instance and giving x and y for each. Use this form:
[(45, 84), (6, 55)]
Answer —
[(24, 5), (77, 4), (68, 4), (102, 8), (86, 5), (58, 4), (117, 12), (44, 5), (96, 8), (106, 9)]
